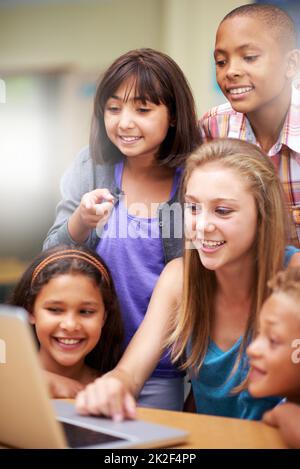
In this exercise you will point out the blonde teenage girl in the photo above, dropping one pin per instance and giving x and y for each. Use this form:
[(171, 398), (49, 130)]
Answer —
[(206, 305)]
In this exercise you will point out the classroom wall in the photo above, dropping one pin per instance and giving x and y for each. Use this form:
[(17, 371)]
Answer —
[(188, 35), (87, 33)]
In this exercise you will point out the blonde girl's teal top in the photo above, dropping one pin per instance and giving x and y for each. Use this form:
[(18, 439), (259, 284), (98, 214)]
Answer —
[(213, 385)]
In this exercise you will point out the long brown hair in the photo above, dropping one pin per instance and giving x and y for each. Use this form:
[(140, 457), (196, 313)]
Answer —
[(193, 324), (156, 78)]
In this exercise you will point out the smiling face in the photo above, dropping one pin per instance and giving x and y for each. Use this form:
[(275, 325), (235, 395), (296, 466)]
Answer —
[(136, 127), (273, 370), (68, 316), (220, 216), (251, 67)]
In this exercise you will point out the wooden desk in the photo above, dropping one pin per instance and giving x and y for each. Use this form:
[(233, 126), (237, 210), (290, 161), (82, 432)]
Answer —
[(207, 432), (216, 432)]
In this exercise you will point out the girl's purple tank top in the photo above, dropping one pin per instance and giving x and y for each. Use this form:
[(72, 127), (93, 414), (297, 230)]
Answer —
[(132, 249)]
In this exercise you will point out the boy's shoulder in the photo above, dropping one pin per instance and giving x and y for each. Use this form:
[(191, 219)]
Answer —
[(221, 121)]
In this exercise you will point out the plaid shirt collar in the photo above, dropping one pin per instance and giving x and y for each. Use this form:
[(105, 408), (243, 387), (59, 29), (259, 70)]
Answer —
[(290, 134)]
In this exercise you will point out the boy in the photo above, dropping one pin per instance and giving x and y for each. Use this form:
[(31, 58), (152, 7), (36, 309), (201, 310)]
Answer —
[(256, 61), (275, 354)]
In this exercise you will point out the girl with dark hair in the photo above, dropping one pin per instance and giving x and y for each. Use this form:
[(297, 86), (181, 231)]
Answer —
[(120, 196), (72, 305)]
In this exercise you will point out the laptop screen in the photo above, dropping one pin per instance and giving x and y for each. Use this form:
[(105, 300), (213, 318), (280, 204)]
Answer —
[(79, 436)]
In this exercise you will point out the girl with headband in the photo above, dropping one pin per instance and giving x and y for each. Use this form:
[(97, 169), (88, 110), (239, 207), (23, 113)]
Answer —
[(72, 305)]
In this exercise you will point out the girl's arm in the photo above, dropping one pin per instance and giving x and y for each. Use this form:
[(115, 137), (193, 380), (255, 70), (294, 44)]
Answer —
[(62, 387), (114, 393), (76, 181), (95, 206), (76, 214)]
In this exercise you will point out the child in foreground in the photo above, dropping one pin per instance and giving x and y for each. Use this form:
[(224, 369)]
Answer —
[(275, 354), (72, 305)]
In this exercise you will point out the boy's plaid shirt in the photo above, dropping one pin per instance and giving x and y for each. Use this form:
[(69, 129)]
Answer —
[(222, 121)]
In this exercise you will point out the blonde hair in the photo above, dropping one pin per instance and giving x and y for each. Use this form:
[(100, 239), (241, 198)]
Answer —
[(192, 325)]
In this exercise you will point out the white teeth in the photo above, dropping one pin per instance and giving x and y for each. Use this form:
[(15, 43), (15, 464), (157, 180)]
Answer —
[(69, 341), (211, 244), (240, 90), (129, 139)]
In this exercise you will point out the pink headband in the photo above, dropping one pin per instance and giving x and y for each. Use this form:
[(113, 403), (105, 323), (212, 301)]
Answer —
[(71, 253)]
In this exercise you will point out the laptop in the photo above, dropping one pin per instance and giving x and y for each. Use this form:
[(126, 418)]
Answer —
[(30, 419)]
